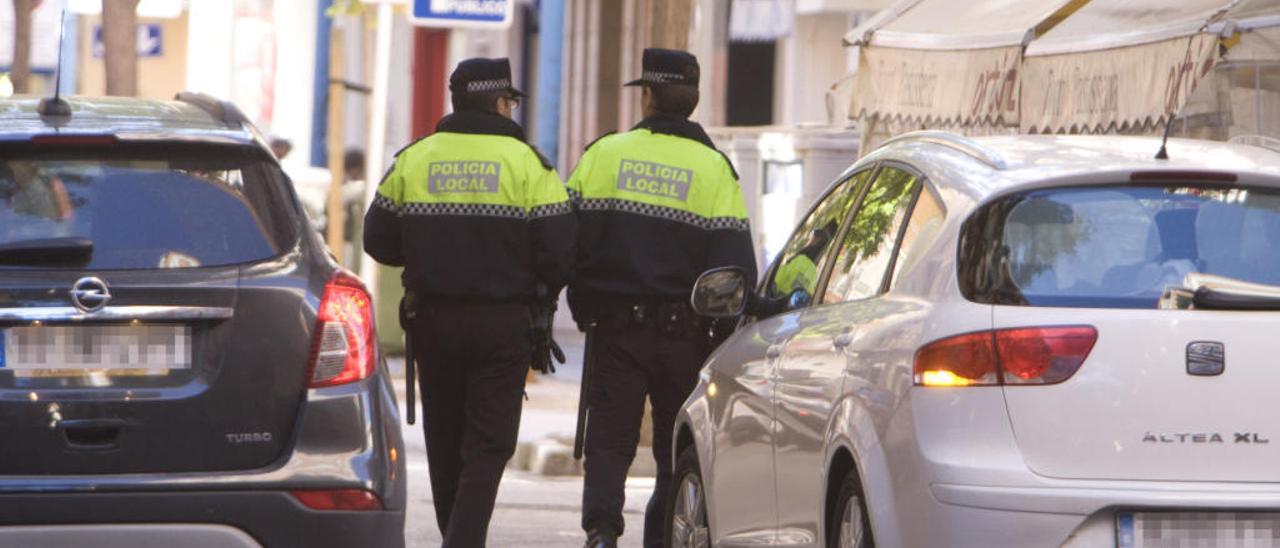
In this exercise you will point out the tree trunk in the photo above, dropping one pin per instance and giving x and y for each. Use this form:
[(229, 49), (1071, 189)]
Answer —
[(20, 73), (119, 40), (669, 23)]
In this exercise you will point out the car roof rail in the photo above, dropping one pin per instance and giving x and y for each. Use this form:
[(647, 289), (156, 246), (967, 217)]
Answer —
[(955, 142), (222, 111)]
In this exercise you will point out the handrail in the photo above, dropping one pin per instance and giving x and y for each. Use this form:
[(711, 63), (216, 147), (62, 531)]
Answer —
[(956, 142)]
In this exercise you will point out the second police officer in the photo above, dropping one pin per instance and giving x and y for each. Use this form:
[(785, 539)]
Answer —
[(657, 206), (483, 227)]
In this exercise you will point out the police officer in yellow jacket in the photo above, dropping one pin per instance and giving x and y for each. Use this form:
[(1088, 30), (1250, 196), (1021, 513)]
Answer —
[(483, 226), (657, 206)]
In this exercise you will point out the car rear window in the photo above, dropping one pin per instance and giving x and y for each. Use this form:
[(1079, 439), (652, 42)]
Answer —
[(1117, 246), (147, 207)]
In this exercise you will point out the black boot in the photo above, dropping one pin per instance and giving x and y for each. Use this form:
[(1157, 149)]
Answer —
[(601, 538)]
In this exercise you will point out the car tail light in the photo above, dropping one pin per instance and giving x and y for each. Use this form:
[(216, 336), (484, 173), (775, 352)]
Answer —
[(1043, 355), (1021, 356), (344, 345), (962, 360), (338, 499)]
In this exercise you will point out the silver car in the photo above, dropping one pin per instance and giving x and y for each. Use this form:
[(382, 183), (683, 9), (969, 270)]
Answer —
[(1009, 341)]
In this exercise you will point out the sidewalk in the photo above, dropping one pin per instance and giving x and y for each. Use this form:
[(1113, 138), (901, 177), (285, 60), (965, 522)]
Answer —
[(550, 415)]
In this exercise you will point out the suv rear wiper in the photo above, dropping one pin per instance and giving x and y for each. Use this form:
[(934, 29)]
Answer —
[(1209, 292), (70, 251)]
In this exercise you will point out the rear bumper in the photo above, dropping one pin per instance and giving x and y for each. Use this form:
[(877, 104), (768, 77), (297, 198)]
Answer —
[(270, 519), (1076, 516), (1086, 500), (187, 535), (958, 479)]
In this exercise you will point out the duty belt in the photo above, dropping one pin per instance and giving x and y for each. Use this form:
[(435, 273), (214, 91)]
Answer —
[(670, 316)]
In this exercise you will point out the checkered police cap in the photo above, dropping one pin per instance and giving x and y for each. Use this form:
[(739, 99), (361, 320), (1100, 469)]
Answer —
[(663, 67), (480, 75)]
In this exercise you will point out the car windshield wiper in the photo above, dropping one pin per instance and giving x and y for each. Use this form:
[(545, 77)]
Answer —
[(1209, 292), (70, 251)]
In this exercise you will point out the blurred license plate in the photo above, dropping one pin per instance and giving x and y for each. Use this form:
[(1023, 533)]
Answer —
[(57, 351), (1195, 529)]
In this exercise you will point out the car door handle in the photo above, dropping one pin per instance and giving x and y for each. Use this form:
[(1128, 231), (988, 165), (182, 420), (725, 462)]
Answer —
[(773, 352), (842, 341)]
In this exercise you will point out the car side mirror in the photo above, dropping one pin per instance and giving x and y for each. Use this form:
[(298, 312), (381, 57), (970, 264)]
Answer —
[(720, 293), (799, 299)]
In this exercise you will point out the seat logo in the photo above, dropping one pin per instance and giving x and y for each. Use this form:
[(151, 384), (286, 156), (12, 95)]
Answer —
[(1206, 359), (90, 294)]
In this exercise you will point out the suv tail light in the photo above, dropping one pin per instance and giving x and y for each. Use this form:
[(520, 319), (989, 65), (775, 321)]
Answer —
[(338, 499), (344, 345), (1021, 356)]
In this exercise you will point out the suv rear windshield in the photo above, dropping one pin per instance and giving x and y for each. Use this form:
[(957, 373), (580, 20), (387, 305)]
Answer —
[(1117, 246), (146, 207)]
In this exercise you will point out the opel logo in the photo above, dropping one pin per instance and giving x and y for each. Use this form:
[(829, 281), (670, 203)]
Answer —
[(90, 294)]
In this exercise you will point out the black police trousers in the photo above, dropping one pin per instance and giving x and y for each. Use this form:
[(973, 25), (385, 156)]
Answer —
[(632, 361), (472, 361)]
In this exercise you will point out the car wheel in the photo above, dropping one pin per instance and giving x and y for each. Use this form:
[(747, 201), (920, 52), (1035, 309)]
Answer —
[(687, 511), (850, 527)]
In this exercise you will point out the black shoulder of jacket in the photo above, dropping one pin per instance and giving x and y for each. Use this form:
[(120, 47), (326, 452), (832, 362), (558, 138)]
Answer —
[(598, 139)]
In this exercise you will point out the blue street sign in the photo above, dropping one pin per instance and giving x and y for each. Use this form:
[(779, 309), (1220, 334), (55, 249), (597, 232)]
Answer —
[(463, 13), (150, 41)]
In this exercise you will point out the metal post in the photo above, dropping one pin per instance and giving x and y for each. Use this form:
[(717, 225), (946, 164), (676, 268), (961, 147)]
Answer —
[(320, 95), (550, 55)]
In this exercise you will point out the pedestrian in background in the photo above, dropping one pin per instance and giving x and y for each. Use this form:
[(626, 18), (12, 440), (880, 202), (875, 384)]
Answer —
[(658, 205), (281, 147), (483, 227)]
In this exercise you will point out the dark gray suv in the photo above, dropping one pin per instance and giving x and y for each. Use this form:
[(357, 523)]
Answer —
[(181, 361)]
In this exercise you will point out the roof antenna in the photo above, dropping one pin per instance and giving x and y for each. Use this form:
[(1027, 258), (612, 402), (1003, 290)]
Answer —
[(56, 105), (1163, 153)]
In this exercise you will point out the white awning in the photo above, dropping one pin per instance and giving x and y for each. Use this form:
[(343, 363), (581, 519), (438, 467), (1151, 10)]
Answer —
[(933, 88), (1117, 65), (1060, 66), (951, 25), (1116, 89), (935, 63), (1107, 24)]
